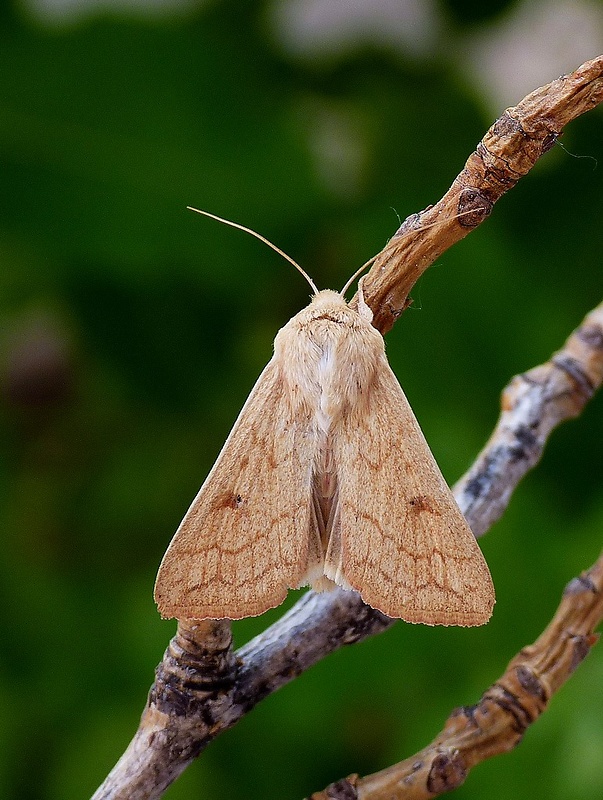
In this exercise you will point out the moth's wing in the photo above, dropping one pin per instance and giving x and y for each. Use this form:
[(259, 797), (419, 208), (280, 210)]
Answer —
[(250, 533), (399, 537)]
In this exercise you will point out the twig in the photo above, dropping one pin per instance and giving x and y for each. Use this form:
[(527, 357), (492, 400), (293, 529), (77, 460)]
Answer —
[(532, 405), (201, 688), (497, 723), (507, 152)]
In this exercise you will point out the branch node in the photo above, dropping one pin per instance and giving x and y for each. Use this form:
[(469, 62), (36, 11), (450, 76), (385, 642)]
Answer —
[(580, 584), (509, 701), (473, 207), (448, 771), (584, 388), (198, 662), (582, 644), (531, 683), (344, 789)]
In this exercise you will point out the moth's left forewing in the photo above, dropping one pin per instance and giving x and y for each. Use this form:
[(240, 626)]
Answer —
[(401, 540), (248, 535)]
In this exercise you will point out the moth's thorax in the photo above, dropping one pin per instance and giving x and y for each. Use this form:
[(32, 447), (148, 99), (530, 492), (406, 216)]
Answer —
[(328, 354)]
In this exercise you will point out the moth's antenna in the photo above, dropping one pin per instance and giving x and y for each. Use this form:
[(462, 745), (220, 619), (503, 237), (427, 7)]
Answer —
[(357, 273), (262, 239)]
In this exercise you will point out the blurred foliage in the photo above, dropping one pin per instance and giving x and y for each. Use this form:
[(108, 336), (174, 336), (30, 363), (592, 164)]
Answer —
[(132, 330)]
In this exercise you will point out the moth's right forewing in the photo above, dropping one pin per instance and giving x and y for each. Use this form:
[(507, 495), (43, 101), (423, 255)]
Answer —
[(244, 540), (403, 542)]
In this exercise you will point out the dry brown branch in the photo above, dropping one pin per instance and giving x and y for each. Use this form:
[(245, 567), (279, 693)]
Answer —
[(497, 723), (202, 687), (507, 152)]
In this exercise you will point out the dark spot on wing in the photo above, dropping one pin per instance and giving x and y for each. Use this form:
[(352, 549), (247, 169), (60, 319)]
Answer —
[(421, 503), (229, 500)]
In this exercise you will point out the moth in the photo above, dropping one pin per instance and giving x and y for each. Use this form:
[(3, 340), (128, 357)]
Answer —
[(326, 480)]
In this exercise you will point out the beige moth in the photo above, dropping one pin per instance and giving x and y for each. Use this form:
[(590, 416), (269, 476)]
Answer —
[(326, 480)]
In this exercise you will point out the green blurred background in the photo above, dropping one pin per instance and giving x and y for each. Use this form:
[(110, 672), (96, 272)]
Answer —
[(131, 331)]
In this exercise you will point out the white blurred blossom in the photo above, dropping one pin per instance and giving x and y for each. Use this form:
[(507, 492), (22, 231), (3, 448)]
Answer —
[(534, 44), (327, 28)]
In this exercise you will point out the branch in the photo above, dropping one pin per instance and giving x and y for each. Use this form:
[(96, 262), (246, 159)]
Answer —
[(498, 722), (507, 152), (202, 688), (532, 405)]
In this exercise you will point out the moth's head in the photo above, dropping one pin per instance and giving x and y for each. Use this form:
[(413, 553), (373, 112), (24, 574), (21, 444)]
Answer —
[(327, 298), (332, 305)]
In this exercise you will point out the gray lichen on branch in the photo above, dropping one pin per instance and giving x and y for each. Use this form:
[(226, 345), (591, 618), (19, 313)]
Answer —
[(202, 688), (533, 404)]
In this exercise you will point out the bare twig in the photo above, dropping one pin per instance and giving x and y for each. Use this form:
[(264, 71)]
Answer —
[(507, 152), (497, 723), (532, 405), (201, 688)]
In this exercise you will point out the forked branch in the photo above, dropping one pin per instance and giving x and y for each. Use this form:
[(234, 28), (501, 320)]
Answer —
[(202, 687)]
